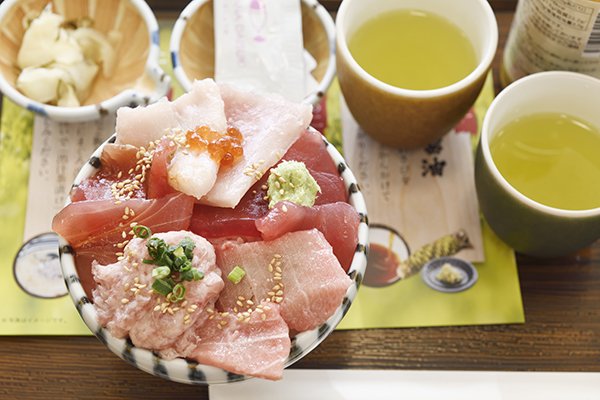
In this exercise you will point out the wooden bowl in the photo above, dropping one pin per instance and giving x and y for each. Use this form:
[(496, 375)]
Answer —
[(193, 48), (137, 78)]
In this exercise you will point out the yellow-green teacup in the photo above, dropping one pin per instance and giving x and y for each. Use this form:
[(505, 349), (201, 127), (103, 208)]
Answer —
[(525, 224), (413, 118)]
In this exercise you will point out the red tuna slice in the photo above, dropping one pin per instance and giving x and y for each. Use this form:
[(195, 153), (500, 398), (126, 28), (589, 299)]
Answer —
[(158, 179), (314, 283), (213, 222), (216, 222), (257, 345), (115, 159), (337, 221), (94, 227)]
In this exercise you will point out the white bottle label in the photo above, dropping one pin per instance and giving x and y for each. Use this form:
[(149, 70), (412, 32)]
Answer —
[(554, 35)]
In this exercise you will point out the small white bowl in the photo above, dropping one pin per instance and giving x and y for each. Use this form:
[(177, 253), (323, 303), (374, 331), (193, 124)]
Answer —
[(137, 78), (192, 44)]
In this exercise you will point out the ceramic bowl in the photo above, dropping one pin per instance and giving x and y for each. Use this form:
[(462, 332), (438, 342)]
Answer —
[(137, 78), (186, 371), (406, 118), (193, 52)]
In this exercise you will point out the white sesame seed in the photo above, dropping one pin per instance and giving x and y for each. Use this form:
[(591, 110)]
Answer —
[(124, 301)]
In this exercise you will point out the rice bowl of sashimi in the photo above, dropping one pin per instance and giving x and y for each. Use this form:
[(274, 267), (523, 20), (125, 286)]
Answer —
[(215, 237)]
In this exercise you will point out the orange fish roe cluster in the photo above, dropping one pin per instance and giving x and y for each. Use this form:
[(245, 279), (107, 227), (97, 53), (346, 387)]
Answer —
[(223, 148)]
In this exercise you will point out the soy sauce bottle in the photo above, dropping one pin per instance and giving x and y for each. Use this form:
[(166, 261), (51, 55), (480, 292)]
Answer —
[(553, 35)]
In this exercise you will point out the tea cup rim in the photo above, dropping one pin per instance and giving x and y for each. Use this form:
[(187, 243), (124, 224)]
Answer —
[(483, 65), (487, 155)]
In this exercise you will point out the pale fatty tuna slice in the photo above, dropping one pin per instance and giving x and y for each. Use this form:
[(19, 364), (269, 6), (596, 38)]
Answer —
[(256, 345), (314, 282), (135, 316), (269, 124)]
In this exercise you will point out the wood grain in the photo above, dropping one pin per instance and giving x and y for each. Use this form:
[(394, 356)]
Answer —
[(562, 333)]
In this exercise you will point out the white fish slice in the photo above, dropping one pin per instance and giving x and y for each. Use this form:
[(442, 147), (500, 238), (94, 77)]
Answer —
[(269, 124), (190, 172)]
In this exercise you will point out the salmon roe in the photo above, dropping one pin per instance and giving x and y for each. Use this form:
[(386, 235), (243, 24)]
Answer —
[(223, 148)]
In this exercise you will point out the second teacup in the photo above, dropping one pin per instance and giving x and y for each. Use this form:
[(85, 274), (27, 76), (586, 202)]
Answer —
[(541, 194), (402, 116)]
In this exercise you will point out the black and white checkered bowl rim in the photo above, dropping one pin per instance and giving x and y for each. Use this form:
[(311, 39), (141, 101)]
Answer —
[(190, 372)]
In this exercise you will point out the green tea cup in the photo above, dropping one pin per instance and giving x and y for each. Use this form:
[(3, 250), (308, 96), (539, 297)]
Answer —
[(406, 118), (526, 225)]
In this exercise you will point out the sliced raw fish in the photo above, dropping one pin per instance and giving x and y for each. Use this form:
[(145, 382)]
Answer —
[(314, 283), (256, 345), (127, 305), (201, 106), (115, 159), (158, 179), (270, 124), (141, 125), (236, 296), (216, 222), (94, 227), (212, 222), (337, 221), (192, 173)]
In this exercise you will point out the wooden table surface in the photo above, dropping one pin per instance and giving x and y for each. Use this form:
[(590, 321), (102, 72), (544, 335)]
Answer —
[(562, 333)]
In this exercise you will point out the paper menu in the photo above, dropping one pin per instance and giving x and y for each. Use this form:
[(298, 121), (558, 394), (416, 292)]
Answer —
[(59, 150), (412, 198), (31, 286), (425, 193)]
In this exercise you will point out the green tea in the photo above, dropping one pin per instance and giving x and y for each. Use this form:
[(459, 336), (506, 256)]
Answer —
[(551, 158), (413, 49)]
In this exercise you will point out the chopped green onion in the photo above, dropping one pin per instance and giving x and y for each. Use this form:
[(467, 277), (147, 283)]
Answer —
[(188, 247), (178, 292), (161, 272), (191, 275), (236, 275), (162, 286), (142, 231), (179, 253), (173, 266)]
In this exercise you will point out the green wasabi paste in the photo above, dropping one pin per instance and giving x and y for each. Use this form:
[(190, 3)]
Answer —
[(291, 181)]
